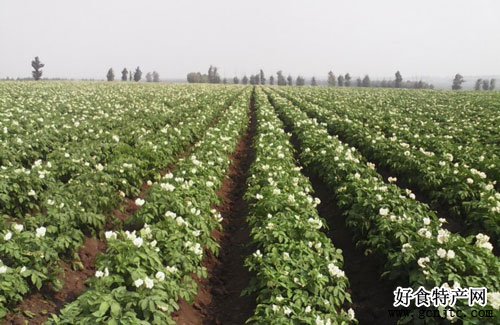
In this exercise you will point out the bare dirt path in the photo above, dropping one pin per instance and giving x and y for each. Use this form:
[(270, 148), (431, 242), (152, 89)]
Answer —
[(219, 299)]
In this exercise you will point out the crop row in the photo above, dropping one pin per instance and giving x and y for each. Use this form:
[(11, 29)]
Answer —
[(298, 272), (147, 269), (135, 135), (465, 190), (37, 121), (33, 246), (388, 221), (463, 125)]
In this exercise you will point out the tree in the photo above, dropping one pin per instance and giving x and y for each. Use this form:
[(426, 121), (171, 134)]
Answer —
[(110, 75), (457, 82), (477, 86), (359, 83), (156, 76), (149, 77), (340, 81), (492, 84), (486, 84), (281, 79), (124, 74), (224, 81), (366, 81), (289, 80), (331, 79), (347, 80), (137, 74), (196, 77), (37, 65), (210, 74), (300, 81), (271, 80), (244, 80), (213, 75), (398, 80), (236, 80), (130, 75), (217, 79), (262, 78), (313, 82), (257, 79)]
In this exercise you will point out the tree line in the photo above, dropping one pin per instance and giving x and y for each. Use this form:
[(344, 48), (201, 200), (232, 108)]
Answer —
[(127, 75), (259, 79), (136, 76), (397, 82), (484, 84), (479, 85), (332, 80)]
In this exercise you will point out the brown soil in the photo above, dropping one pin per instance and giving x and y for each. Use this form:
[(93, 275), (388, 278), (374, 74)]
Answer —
[(219, 299), (36, 308), (454, 223), (371, 295)]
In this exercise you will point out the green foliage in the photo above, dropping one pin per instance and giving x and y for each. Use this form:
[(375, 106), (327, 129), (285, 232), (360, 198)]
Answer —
[(298, 276), (386, 219), (93, 148), (144, 273)]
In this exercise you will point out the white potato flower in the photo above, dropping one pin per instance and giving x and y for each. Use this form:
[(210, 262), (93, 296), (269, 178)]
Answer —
[(7, 236), (138, 241), (350, 314), (450, 254), (383, 211), (40, 232), (148, 283), (138, 283), (441, 253), (335, 271), (167, 187), (110, 235), (257, 254), (422, 262), (406, 247), (494, 299), (171, 269), (160, 276), (443, 236)]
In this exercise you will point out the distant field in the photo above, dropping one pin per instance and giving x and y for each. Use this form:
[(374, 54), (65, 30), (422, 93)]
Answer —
[(162, 204)]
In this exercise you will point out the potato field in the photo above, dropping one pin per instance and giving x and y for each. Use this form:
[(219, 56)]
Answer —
[(228, 204)]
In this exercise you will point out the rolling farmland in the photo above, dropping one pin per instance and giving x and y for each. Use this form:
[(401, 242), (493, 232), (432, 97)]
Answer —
[(211, 204)]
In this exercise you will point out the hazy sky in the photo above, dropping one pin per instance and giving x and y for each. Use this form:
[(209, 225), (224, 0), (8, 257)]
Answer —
[(83, 38)]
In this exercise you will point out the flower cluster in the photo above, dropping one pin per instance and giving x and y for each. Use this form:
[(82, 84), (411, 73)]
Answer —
[(293, 255)]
